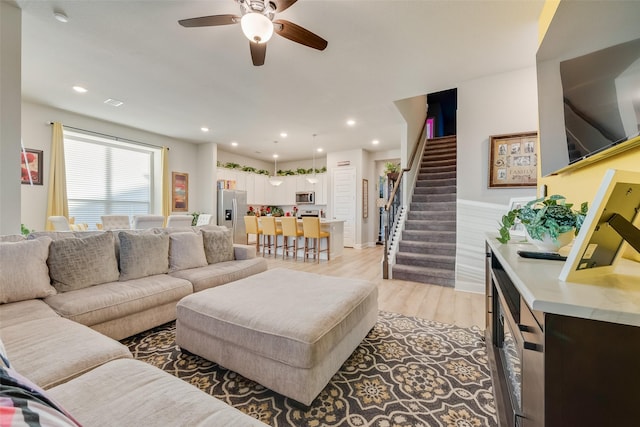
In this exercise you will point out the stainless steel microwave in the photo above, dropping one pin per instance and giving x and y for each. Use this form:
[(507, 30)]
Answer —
[(305, 197)]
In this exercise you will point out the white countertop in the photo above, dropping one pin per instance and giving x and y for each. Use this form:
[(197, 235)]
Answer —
[(612, 298)]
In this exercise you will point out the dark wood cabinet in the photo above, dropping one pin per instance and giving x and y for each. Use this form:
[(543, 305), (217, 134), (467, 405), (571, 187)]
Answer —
[(572, 371)]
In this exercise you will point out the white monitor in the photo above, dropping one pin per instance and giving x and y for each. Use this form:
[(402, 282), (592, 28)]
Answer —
[(598, 246)]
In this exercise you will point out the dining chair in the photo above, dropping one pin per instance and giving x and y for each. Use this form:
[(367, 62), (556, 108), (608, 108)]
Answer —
[(269, 230), (147, 221), (60, 223), (179, 221), (252, 227), (290, 229), (204, 219), (115, 222), (312, 232)]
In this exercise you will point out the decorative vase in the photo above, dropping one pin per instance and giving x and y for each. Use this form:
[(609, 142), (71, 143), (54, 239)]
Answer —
[(547, 244)]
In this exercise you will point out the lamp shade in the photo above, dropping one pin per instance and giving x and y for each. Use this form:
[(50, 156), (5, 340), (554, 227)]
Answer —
[(256, 27), (275, 181), (312, 180)]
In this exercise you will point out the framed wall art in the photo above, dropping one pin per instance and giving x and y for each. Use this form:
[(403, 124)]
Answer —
[(179, 192), (513, 160), (365, 198), (31, 166)]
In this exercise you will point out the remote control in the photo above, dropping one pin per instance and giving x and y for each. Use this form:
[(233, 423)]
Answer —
[(542, 255)]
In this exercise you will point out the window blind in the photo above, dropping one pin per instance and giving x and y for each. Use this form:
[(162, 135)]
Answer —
[(107, 176)]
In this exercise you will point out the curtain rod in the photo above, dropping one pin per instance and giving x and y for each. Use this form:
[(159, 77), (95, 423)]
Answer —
[(112, 137)]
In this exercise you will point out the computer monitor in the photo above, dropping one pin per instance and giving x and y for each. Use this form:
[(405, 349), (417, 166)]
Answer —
[(608, 228)]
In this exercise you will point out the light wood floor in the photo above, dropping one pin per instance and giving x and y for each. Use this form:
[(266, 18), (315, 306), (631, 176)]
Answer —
[(431, 302)]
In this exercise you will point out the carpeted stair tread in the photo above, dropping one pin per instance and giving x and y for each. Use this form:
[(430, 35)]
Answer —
[(429, 236), (437, 175), (440, 189), (435, 206), (431, 215), (429, 198), (435, 248), (434, 276), (426, 260), (430, 225)]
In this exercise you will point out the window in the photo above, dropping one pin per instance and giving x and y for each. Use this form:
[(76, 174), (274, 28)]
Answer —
[(107, 176)]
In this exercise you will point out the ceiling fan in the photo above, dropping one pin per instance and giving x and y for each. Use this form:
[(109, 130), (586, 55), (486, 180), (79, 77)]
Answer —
[(258, 26)]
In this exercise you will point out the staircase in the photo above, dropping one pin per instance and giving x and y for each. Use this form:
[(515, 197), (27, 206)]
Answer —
[(427, 249)]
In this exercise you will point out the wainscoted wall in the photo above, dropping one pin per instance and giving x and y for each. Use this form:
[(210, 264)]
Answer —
[(474, 219)]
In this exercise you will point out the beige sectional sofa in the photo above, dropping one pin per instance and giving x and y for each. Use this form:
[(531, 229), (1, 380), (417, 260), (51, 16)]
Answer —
[(65, 298)]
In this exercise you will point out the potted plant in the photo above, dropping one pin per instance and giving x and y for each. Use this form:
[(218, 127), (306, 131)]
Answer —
[(392, 170), (550, 222)]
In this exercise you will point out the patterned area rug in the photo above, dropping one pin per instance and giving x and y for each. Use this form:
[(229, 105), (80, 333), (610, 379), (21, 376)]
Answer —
[(406, 372)]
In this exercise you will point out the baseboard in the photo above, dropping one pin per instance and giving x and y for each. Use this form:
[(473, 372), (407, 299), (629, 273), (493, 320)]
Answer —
[(465, 286)]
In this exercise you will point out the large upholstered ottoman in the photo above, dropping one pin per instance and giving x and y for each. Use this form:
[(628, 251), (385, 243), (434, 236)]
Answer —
[(287, 330)]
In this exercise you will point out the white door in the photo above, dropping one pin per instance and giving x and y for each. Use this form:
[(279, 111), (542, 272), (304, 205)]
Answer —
[(344, 202)]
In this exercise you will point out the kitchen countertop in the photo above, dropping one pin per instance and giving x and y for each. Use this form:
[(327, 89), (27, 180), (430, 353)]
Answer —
[(612, 298)]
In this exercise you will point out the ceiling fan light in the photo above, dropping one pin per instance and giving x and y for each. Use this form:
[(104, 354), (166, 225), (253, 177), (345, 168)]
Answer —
[(256, 27)]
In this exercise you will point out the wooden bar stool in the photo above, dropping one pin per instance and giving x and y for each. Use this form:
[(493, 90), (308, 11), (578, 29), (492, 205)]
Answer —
[(311, 229), (290, 229), (269, 230), (251, 227)]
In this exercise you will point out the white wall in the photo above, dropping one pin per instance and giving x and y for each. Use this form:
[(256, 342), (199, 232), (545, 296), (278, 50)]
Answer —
[(493, 105), (10, 84), (497, 104), (36, 134)]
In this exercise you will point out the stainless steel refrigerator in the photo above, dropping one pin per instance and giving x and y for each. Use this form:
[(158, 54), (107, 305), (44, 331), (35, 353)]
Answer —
[(232, 207)]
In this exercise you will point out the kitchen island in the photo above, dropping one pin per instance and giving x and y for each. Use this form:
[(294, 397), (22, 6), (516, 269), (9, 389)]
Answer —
[(334, 227)]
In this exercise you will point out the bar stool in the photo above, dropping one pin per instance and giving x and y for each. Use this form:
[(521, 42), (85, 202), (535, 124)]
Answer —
[(311, 229), (251, 227), (290, 229), (269, 230)]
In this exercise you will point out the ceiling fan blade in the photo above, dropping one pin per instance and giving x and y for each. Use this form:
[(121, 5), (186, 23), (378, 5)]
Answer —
[(209, 21), (282, 5), (258, 53), (296, 33)]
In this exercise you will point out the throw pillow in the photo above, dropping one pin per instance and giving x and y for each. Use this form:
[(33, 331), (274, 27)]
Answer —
[(186, 250), (25, 274), (77, 263), (143, 255), (218, 245)]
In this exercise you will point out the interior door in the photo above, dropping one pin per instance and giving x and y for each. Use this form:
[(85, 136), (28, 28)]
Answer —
[(344, 202)]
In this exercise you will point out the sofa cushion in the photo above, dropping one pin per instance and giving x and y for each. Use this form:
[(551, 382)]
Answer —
[(15, 313), (25, 274), (54, 350), (143, 255), (99, 304), (186, 250), (12, 238), (218, 245), (80, 262), (134, 393), (221, 273)]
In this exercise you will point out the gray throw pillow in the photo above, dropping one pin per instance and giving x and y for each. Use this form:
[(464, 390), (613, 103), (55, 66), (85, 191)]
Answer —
[(143, 255), (186, 250), (218, 245), (77, 263), (25, 274)]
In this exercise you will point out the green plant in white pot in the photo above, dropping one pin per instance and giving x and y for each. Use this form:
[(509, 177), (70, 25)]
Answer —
[(550, 222)]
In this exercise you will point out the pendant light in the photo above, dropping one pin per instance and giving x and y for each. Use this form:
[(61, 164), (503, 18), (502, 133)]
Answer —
[(275, 180), (313, 179)]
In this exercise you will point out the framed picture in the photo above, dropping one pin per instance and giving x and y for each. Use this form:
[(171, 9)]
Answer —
[(513, 160), (517, 229), (365, 198), (31, 166), (179, 192)]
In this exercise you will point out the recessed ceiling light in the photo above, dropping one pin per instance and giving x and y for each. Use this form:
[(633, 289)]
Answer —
[(283, 134), (114, 102), (235, 144), (79, 89), (61, 16), (275, 156), (319, 150), (351, 122), (375, 142), (204, 129)]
